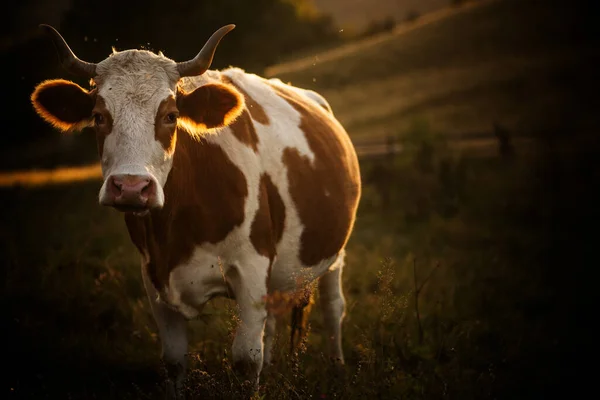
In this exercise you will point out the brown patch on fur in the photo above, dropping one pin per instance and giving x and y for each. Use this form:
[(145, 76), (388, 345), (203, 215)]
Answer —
[(64, 104), (210, 106), (243, 129), (267, 227), (256, 111), (164, 130), (327, 191), (205, 195), (277, 208), (103, 130)]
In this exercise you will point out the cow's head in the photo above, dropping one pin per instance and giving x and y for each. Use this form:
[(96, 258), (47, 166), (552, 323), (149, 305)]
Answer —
[(136, 106)]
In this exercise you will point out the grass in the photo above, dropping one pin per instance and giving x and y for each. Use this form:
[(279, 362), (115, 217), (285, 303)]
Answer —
[(476, 232)]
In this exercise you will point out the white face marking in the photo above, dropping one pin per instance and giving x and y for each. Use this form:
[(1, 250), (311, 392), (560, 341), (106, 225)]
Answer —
[(133, 83)]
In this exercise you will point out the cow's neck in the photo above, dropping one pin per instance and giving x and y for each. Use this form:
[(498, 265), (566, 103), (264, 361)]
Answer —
[(205, 195)]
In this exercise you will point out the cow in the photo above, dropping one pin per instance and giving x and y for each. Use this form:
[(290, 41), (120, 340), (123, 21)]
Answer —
[(230, 185)]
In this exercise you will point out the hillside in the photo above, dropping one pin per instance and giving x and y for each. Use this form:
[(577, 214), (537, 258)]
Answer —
[(523, 64), (357, 14)]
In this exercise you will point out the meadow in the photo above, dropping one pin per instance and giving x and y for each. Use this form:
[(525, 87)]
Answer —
[(467, 274), (451, 282)]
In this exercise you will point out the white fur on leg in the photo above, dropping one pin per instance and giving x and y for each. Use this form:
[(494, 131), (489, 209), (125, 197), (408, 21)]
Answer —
[(270, 327), (173, 336), (250, 288), (332, 302)]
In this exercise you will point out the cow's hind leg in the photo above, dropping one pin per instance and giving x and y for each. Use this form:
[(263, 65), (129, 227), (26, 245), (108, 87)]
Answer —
[(173, 335), (333, 306), (300, 316)]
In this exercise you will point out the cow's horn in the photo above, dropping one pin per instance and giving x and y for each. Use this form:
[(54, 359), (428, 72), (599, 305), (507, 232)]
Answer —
[(69, 60), (199, 64)]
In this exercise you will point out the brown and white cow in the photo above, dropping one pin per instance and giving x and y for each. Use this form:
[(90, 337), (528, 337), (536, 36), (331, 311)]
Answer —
[(230, 184)]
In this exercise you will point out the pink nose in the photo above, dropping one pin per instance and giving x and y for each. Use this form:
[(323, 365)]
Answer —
[(130, 191)]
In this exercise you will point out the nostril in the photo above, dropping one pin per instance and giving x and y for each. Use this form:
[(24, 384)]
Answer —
[(148, 188), (115, 186)]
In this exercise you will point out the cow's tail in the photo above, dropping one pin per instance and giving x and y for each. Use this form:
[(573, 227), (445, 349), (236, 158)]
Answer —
[(300, 314)]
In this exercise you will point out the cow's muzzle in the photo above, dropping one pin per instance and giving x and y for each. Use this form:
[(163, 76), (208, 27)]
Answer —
[(130, 193)]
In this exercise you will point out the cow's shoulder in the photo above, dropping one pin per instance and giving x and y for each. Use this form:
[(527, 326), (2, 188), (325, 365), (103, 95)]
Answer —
[(250, 87)]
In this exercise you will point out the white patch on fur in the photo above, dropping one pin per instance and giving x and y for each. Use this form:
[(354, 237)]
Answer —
[(282, 132), (133, 83), (311, 94)]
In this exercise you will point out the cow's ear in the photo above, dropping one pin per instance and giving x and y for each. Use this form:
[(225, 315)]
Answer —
[(211, 106), (64, 104)]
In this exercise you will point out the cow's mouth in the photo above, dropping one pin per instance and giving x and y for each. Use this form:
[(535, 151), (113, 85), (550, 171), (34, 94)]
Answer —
[(136, 209)]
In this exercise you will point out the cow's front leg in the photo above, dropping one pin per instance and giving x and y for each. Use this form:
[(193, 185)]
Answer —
[(269, 338), (172, 330), (249, 283)]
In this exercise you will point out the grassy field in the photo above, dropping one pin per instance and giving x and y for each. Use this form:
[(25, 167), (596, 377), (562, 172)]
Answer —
[(488, 240), (467, 277)]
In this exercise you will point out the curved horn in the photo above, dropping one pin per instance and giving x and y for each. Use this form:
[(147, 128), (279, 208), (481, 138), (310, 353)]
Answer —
[(199, 64), (69, 61)]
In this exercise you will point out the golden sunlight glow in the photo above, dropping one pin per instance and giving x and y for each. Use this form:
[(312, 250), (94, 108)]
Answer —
[(50, 177), (193, 128), (48, 116)]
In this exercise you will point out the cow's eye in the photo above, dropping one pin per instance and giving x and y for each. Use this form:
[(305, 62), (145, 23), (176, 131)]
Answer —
[(171, 118), (98, 119)]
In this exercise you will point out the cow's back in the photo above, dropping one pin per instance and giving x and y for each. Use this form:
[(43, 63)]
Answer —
[(302, 175), (309, 172)]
